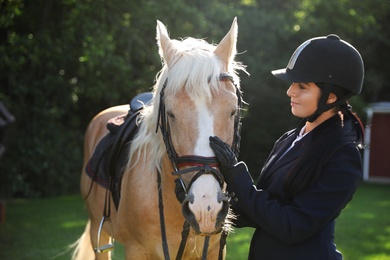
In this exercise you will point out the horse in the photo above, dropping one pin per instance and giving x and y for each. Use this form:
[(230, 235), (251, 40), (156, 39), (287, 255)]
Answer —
[(196, 95)]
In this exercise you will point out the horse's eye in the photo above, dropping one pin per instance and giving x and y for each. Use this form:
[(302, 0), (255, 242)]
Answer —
[(171, 115)]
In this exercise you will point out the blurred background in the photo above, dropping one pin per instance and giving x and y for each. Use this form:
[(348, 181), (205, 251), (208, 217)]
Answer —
[(63, 61)]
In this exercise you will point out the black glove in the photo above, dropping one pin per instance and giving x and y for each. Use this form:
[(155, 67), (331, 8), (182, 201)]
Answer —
[(225, 156)]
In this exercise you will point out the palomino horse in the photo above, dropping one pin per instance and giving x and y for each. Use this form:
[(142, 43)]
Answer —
[(196, 96)]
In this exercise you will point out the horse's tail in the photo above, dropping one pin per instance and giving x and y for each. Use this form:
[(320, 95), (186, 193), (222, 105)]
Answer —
[(84, 249)]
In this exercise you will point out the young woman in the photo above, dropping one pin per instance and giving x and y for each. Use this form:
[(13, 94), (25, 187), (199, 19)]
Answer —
[(313, 170)]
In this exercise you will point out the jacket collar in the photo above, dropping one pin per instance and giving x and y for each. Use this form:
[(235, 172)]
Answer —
[(279, 159)]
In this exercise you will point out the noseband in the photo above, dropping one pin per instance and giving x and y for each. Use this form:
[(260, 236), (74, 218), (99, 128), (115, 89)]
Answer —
[(203, 165)]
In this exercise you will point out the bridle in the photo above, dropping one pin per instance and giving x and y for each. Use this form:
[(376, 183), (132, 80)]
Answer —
[(200, 164), (197, 163)]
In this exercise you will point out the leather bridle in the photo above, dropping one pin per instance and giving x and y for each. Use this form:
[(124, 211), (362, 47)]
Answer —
[(201, 165), (197, 163)]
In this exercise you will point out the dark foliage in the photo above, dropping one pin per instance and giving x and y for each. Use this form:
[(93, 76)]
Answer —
[(64, 61)]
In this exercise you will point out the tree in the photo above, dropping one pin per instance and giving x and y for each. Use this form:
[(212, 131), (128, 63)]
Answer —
[(64, 61)]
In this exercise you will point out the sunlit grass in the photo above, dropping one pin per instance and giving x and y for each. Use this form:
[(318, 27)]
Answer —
[(43, 229), (238, 243), (363, 229)]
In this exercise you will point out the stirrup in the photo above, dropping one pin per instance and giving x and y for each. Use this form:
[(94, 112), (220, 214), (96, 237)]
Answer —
[(105, 248)]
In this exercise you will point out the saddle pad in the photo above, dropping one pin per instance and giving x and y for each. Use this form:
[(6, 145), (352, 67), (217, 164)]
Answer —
[(111, 154)]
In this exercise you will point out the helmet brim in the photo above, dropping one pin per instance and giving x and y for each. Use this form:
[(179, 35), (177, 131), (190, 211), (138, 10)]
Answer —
[(286, 75)]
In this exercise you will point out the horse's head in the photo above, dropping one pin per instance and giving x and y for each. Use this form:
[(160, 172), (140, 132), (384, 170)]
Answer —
[(199, 97)]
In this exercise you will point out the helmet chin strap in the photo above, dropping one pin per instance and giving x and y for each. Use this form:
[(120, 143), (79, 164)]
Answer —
[(322, 105)]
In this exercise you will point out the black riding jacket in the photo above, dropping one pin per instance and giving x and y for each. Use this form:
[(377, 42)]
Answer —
[(299, 227)]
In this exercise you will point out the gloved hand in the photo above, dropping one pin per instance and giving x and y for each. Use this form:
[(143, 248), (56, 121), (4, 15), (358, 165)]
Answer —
[(225, 156)]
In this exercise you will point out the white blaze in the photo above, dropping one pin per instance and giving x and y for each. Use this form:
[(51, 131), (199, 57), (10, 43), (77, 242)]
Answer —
[(206, 129), (206, 188)]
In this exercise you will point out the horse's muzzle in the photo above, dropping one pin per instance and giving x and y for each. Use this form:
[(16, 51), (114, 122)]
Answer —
[(201, 219)]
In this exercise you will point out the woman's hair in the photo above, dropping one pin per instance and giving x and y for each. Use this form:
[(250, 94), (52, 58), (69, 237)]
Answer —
[(339, 91), (326, 138)]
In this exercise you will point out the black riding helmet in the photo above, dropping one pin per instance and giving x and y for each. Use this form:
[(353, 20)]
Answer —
[(327, 61)]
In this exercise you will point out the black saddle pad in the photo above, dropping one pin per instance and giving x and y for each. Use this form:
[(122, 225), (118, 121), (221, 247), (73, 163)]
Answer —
[(111, 154)]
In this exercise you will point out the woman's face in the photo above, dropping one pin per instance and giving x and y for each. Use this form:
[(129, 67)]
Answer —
[(304, 98)]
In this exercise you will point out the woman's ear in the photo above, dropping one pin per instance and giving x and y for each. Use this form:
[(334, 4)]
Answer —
[(331, 98)]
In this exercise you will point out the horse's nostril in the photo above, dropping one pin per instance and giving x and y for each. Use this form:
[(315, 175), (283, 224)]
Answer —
[(221, 197), (222, 213), (186, 208), (189, 215)]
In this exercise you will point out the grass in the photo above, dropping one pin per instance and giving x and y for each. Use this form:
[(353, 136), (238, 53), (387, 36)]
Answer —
[(363, 229), (43, 229)]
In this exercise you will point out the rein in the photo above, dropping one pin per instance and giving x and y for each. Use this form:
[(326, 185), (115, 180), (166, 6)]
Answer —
[(202, 165)]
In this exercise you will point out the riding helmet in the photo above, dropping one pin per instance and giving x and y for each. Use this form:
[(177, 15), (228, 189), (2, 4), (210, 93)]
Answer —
[(327, 60)]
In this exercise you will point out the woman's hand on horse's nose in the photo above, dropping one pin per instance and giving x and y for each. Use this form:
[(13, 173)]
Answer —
[(225, 156)]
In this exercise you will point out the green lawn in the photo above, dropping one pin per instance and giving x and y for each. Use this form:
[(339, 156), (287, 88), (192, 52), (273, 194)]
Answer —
[(42, 229)]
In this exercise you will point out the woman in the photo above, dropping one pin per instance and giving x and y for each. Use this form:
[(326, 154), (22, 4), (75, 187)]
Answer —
[(313, 170)]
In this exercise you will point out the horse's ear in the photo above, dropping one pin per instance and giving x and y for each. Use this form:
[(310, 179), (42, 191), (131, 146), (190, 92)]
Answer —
[(163, 41), (226, 49)]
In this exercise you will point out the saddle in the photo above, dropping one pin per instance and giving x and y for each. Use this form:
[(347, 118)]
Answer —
[(107, 164)]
